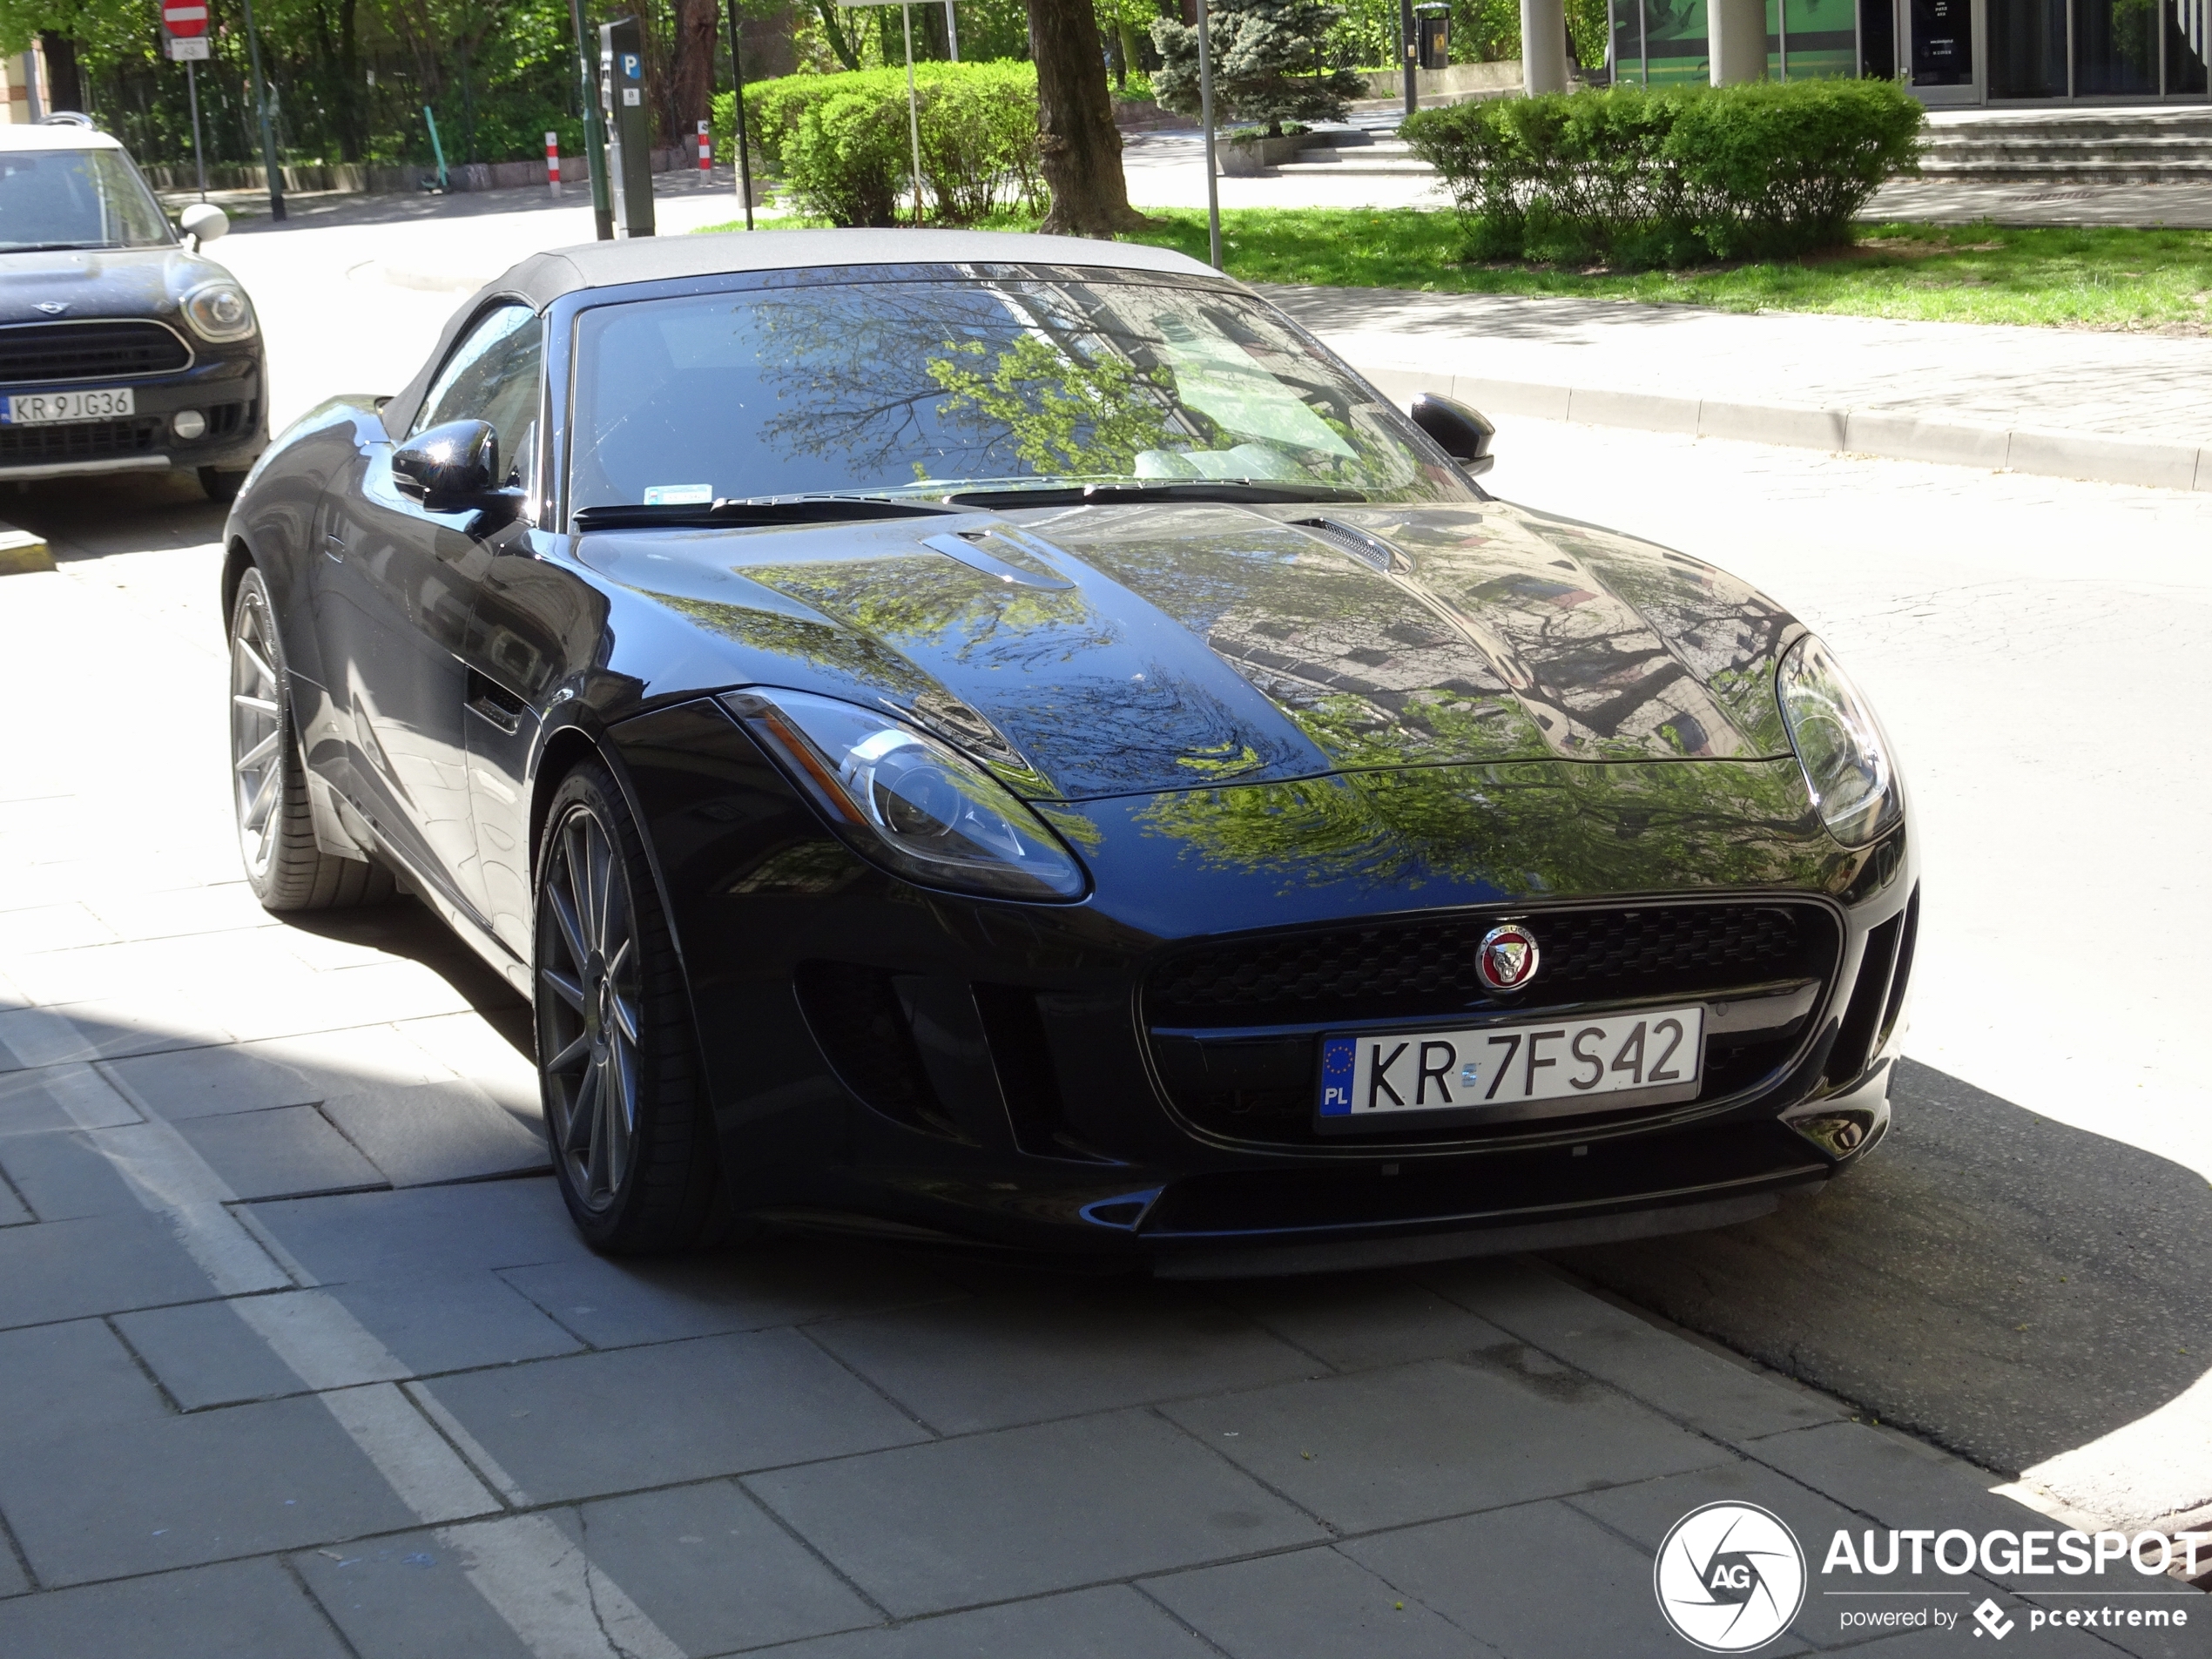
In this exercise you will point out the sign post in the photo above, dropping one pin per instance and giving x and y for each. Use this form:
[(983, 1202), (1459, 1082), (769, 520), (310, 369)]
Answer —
[(1205, 119), (706, 156), (913, 117), (184, 33)]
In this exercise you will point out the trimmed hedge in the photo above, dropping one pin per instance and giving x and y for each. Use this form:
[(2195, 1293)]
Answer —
[(1679, 177), (842, 141)]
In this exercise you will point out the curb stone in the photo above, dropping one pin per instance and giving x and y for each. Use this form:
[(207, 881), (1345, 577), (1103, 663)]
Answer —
[(22, 552), (1896, 435)]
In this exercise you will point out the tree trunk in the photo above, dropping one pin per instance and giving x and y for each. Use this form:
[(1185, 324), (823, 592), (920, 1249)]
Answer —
[(699, 25), (64, 86), (353, 119), (1081, 146), (846, 54)]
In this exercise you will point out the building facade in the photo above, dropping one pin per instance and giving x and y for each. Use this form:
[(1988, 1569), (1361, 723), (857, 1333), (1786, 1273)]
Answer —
[(1951, 52), (22, 90)]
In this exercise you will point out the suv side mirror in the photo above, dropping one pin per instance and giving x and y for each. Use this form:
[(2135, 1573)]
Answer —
[(204, 222), (450, 468), (1462, 433)]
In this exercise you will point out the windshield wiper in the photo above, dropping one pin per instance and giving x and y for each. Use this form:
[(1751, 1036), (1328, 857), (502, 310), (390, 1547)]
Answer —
[(1221, 489), (48, 247), (740, 515)]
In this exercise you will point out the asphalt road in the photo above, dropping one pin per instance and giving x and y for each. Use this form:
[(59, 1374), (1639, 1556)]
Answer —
[(2017, 1277)]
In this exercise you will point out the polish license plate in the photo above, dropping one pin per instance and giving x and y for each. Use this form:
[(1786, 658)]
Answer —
[(57, 408), (1544, 1068)]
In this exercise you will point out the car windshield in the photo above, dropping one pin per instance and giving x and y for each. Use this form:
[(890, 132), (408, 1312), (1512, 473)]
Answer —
[(76, 198), (936, 387)]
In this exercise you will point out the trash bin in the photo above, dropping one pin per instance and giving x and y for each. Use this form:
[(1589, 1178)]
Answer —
[(1432, 25)]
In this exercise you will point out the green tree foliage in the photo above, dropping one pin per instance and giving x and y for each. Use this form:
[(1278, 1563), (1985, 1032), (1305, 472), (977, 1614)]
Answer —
[(1667, 179), (842, 141), (350, 78), (1269, 63), (1069, 418)]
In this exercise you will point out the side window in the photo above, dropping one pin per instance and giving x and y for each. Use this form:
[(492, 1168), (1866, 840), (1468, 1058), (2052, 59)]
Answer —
[(493, 376)]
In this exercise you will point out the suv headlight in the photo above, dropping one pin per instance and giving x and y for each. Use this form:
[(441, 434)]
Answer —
[(909, 801), (1838, 745), (219, 310)]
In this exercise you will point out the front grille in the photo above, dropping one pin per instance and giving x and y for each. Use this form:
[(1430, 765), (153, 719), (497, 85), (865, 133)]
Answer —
[(1262, 1089), (40, 354), (1423, 968), (34, 446)]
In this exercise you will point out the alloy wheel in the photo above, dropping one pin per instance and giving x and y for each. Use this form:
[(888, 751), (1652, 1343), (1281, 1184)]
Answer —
[(588, 1008), (256, 737)]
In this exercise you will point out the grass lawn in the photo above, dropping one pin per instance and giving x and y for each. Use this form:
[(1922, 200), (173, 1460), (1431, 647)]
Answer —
[(2104, 278)]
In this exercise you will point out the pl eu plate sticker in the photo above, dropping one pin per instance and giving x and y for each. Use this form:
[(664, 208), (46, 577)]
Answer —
[(1339, 1057)]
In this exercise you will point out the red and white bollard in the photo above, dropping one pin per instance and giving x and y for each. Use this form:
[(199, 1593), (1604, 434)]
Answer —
[(553, 160), (706, 155)]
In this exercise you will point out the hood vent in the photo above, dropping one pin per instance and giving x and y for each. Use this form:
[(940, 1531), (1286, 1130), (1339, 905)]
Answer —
[(1372, 552), (996, 554)]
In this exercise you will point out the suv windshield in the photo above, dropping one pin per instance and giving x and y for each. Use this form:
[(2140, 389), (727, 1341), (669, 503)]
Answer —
[(76, 198), (939, 386)]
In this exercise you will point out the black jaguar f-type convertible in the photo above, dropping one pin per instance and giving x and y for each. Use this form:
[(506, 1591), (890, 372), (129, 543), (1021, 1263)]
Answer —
[(1009, 740)]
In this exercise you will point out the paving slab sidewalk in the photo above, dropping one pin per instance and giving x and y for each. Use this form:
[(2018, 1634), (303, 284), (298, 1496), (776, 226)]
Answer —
[(2119, 408)]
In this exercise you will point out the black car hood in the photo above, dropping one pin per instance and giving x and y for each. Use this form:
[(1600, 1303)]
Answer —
[(95, 282), (1160, 647)]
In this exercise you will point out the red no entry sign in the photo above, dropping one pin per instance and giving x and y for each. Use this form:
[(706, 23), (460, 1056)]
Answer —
[(186, 19)]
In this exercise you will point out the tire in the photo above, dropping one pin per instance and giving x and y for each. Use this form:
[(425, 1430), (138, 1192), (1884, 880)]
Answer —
[(276, 830), (220, 485), (626, 1117)]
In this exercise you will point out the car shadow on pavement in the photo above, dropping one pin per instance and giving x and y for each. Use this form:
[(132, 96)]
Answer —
[(408, 928), (124, 513), (2006, 1286)]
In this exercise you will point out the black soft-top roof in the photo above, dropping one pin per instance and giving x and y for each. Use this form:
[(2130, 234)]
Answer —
[(543, 277)]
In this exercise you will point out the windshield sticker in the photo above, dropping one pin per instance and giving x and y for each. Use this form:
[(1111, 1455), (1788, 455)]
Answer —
[(678, 494)]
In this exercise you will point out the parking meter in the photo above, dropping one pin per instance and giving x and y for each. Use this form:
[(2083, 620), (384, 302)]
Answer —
[(629, 140), (1435, 26)]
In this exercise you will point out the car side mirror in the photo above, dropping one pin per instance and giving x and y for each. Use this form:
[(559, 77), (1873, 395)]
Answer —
[(1462, 433), (204, 222), (450, 468)]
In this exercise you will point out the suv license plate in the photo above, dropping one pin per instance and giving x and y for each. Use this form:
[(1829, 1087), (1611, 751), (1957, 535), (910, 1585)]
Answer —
[(56, 408), (1503, 1071)]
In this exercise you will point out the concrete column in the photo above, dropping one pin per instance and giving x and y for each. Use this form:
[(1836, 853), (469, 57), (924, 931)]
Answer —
[(1543, 46), (1736, 40)]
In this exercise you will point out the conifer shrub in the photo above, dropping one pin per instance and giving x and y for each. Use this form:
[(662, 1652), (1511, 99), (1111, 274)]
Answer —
[(1268, 64), (1679, 177)]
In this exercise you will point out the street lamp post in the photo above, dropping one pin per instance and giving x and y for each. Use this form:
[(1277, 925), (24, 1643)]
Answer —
[(745, 147), (595, 131), (1412, 50)]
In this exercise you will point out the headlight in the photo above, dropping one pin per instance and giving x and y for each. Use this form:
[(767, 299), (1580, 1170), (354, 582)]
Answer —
[(1838, 743), (912, 803), (219, 310)]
